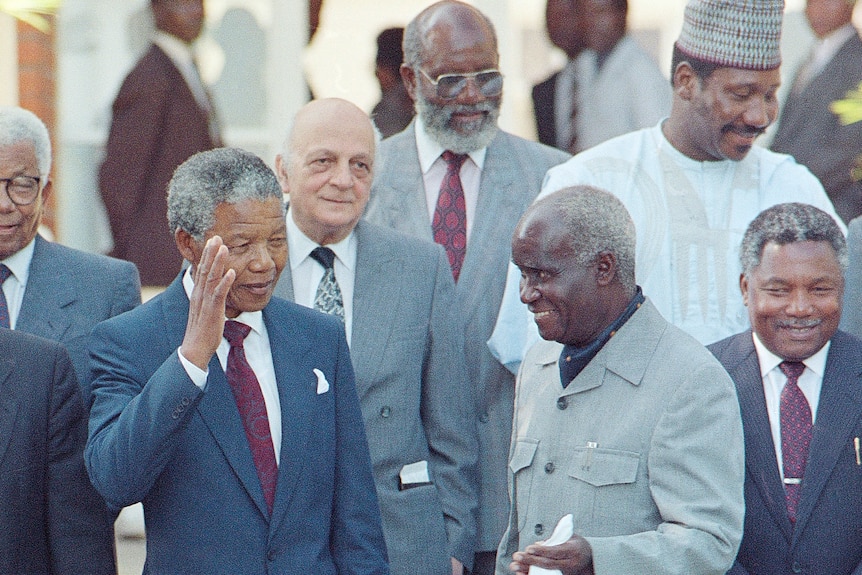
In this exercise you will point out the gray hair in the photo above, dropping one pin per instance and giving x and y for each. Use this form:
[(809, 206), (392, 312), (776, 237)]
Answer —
[(417, 30), (597, 222), (789, 223), (19, 125), (207, 179)]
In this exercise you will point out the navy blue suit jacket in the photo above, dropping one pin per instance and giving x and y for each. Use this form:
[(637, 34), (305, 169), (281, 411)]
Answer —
[(827, 538), (155, 437)]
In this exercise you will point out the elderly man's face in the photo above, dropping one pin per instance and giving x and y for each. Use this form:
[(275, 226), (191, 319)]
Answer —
[(255, 235), (328, 172), (561, 293), (19, 224), (794, 297), (467, 121), (728, 111)]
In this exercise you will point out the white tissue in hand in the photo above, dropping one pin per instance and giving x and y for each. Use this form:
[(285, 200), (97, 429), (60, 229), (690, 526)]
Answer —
[(562, 533)]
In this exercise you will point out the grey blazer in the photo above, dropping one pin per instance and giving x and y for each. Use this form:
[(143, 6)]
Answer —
[(810, 132), (69, 292), (511, 179), (851, 311), (643, 448), (407, 352)]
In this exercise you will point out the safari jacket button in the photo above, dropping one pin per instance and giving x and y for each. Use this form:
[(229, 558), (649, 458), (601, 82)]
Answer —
[(539, 529), (385, 411), (562, 403), (549, 467)]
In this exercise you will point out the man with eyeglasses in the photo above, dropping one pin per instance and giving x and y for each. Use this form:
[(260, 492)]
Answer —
[(454, 177), (49, 290), (51, 518)]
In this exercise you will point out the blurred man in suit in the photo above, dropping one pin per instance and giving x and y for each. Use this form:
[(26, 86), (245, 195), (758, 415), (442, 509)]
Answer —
[(161, 116), (454, 177), (52, 521), (799, 382), (808, 129), (398, 306), (49, 290), (395, 109), (616, 414), (243, 436)]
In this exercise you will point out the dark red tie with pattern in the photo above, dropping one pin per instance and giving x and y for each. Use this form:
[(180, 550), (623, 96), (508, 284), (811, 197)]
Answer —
[(252, 409), (795, 434), (4, 309), (450, 215)]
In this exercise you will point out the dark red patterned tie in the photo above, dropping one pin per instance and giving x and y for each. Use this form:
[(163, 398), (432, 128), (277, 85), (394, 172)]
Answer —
[(4, 309), (252, 409), (795, 434), (450, 215)]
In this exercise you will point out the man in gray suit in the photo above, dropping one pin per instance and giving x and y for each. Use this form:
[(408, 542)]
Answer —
[(454, 177), (808, 129), (622, 420), (50, 290), (395, 295)]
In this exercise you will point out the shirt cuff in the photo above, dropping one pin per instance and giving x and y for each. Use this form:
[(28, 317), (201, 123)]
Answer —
[(196, 374)]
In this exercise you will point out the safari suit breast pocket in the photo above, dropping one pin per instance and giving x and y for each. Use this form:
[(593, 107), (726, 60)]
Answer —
[(608, 483), (523, 453)]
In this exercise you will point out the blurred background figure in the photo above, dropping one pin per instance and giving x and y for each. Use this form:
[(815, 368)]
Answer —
[(395, 109), (807, 129), (243, 77), (161, 116)]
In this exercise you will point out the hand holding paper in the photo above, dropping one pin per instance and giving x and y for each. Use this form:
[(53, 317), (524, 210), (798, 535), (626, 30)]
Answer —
[(563, 553)]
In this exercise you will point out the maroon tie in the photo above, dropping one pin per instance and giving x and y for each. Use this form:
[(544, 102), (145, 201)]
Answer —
[(4, 309), (252, 409), (795, 434), (450, 215)]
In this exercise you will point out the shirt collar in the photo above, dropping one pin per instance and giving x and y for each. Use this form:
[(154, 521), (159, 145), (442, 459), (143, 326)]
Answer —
[(769, 361), (19, 262), (300, 246), (829, 45), (176, 49), (253, 319), (429, 150)]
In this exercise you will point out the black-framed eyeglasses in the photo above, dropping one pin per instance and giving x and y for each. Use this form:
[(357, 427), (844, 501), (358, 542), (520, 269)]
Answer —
[(488, 82), (22, 190)]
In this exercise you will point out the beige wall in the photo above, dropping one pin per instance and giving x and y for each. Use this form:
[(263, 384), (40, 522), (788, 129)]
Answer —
[(8, 61)]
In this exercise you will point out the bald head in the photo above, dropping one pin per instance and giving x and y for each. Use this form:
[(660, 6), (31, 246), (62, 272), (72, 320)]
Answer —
[(326, 168)]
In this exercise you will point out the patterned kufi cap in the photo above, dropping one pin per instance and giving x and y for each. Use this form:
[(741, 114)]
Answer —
[(734, 33)]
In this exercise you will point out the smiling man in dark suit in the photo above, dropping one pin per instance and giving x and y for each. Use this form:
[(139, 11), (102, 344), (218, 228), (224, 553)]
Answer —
[(800, 393), (232, 415)]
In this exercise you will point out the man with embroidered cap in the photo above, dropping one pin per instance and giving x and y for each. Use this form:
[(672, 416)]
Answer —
[(693, 182), (231, 415), (799, 382), (624, 424), (455, 178)]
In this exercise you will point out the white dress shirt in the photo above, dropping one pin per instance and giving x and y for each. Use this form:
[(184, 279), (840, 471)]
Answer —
[(14, 286), (822, 52), (434, 170), (259, 356), (306, 272), (774, 381)]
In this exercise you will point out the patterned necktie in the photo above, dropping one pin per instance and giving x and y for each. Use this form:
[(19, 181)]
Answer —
[(5, 272), (252, 409), (450, 215), (328, 298), (795, 434)]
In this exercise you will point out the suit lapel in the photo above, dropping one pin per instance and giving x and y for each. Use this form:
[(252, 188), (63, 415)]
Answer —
[(838, 412), (761, 463), (377, 289), (8, 405), (45, 296), (297, 387)]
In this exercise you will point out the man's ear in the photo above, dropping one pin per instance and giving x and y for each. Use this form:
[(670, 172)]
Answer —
[(46, 190), (188, 247), (685, 81), (743, 286), (281, 174), (606, 268), (408, 76)]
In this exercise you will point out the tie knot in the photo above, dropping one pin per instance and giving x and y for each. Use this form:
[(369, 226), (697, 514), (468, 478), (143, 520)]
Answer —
[(235, 332), (453, 160), (792, 369), (5, 272), (323, 256)]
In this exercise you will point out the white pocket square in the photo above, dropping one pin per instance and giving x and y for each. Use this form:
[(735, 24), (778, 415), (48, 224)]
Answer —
[(322, 384)]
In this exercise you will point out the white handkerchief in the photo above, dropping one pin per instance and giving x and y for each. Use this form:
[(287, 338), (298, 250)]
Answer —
[(415, 473), (322, 384), (562, 533)]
